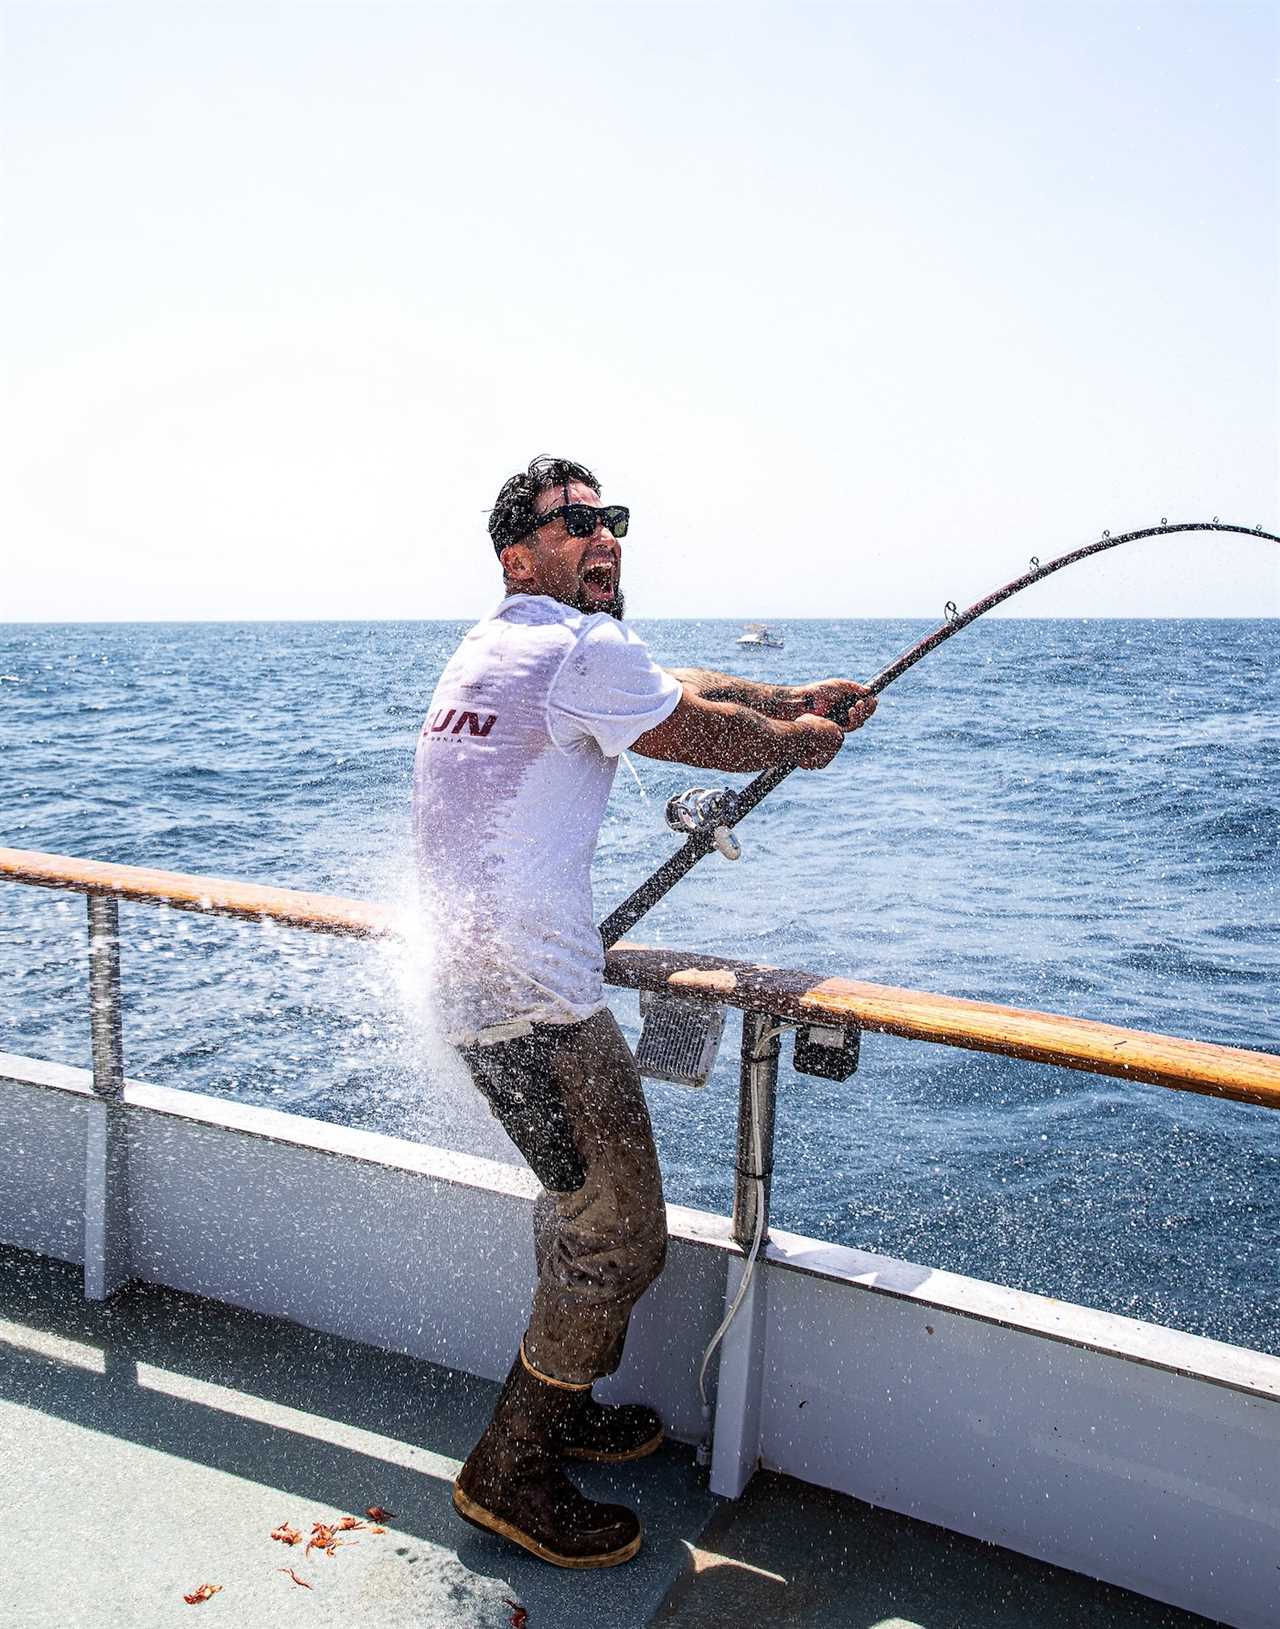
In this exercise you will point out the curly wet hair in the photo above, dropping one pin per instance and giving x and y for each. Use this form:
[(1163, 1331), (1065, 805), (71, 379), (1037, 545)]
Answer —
[(514, 513)]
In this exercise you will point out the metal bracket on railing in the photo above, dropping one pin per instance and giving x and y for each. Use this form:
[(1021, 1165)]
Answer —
[(829, 1051), (678, 1039), (106, 1206)]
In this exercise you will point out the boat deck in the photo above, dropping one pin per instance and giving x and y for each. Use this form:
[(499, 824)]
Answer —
[(152, 1443)]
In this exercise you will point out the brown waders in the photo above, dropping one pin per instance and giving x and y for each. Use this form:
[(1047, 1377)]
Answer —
[(570, 1098)]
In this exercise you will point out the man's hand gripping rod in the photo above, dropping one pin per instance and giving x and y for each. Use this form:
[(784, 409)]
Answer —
[(709, 827)]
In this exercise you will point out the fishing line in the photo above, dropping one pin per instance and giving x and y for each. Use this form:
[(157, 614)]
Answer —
[(733, 806)]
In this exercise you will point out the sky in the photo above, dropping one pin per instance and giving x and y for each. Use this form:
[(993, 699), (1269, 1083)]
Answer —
[(857, 306)]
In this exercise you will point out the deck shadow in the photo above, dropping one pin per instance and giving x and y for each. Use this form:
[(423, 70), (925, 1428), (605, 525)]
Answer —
[(799, 1557)]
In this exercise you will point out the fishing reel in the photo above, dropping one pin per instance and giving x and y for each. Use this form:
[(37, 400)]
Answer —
[(710, 809)]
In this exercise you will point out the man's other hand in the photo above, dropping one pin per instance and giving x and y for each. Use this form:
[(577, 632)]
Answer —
[(813, 741), (838, 699)]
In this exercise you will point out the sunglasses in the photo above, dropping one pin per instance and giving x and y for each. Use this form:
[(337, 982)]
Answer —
[(581, 519)]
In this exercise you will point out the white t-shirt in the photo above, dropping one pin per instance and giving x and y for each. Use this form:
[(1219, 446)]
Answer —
[(511, 779)]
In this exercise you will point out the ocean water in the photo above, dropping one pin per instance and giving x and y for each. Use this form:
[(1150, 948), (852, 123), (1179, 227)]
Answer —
[(1075, 816)]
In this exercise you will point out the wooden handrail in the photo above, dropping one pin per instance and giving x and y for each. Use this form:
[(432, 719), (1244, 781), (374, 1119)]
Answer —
[(1070, 1043), (978, 1026), (212, 896)]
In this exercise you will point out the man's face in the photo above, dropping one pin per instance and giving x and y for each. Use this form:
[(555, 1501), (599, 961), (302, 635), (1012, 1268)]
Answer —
[(585, 572)]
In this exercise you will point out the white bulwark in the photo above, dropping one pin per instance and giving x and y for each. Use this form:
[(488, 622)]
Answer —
[(1134, 1454)]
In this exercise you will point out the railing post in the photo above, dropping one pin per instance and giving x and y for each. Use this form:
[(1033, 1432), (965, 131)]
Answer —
[(106, 1188), (757, 1096), (105, 1023), (736, 1439)]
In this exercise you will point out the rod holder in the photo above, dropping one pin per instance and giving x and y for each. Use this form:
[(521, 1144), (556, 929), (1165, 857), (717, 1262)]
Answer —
[(757, 1098)]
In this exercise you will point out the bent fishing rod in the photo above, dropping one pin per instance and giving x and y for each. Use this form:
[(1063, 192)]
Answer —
[(707, 817)]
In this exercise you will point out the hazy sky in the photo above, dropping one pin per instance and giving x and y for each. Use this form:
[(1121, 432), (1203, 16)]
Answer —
[(857, 305)]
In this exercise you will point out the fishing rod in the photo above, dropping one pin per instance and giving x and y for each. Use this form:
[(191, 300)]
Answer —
[(708, 817)]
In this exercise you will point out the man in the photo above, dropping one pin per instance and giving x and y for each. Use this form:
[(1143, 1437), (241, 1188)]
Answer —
[(513, 771)]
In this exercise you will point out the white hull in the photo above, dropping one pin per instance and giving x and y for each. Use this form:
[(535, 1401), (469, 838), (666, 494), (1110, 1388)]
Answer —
[(759, 636)]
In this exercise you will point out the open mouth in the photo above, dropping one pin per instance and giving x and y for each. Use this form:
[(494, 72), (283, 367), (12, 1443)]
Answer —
[(600, 581)]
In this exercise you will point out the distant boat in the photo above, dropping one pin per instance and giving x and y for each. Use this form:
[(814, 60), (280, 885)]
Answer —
[(756, 633)]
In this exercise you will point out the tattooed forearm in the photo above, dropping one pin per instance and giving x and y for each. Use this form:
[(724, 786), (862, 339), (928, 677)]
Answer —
[(772, 700)]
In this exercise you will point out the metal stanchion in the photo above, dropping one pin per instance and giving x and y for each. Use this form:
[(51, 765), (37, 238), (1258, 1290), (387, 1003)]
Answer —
[(757, 1095), (106, 1193), (104, 995)]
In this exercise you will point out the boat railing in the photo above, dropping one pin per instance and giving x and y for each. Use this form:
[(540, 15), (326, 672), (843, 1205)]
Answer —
[(770, 998)]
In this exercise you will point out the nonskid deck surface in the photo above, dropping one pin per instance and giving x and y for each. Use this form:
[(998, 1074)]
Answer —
[(152, 1444)]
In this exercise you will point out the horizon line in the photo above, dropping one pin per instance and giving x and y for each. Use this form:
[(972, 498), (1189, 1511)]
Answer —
[(780, 622)]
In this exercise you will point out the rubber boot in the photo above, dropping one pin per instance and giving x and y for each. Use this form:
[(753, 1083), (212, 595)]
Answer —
[(512, 1484), (609, 1432)]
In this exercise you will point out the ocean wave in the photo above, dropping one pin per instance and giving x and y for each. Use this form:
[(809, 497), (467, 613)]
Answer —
[(1078, 816)]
